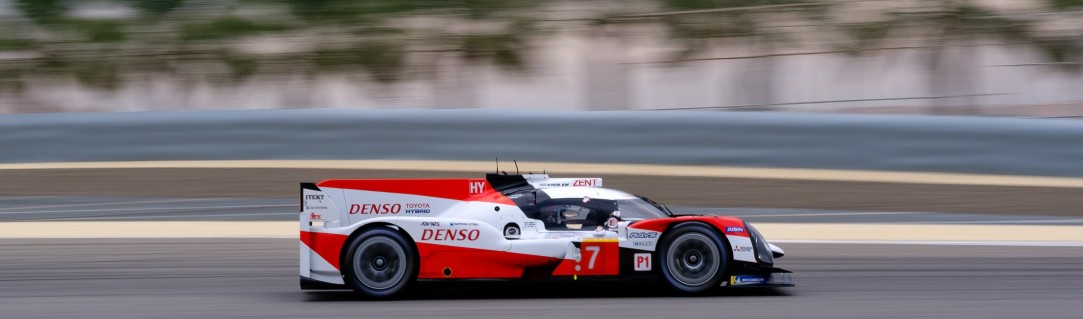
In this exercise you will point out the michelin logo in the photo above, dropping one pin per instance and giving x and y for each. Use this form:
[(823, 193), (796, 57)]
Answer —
[(747, 280)]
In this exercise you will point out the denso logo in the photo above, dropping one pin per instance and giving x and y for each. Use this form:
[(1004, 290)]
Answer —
[(642, 235), (380, 209), (450, 234)]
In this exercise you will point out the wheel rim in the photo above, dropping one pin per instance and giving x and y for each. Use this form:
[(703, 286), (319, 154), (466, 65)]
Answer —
[(693, 259), (379, 263)]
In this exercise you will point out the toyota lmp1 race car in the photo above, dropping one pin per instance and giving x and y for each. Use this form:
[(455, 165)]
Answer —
[(379, 236)]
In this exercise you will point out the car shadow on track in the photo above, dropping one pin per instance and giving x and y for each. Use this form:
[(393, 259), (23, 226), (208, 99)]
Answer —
[(579, 290)]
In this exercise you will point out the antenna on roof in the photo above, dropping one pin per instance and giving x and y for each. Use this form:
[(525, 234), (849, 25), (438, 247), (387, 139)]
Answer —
[(516, 166), (498, 165)]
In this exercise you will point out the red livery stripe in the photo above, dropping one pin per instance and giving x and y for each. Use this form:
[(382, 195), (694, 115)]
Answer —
[(605, 263), (327, 246), (475, 263), (477, 190), (661, 224)]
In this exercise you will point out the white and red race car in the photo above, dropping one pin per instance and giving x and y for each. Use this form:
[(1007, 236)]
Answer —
[(378, 236)]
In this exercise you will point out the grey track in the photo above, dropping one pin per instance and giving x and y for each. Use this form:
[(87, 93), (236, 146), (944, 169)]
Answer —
[(134, 208), (257, 278)]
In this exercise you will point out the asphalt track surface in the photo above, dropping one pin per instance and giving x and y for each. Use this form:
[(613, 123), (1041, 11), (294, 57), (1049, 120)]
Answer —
[(233, 277), (256, 278), (129, 208)]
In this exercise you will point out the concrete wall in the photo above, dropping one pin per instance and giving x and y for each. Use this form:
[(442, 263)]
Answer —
[(904, 143)]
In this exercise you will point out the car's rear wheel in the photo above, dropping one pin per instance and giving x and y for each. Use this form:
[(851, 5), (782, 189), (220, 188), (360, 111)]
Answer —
[(693, 258), (379, 263)]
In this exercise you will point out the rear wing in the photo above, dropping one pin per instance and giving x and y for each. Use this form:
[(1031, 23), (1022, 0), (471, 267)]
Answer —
[(543, 180), (528, 181)]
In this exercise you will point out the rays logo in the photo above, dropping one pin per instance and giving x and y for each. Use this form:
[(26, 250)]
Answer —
[(426, 224), (642, 235)]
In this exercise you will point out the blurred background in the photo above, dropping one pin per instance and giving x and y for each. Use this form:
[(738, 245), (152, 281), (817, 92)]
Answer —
[(151, 150), (976, 57)]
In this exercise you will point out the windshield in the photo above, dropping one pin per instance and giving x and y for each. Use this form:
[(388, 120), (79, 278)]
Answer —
[(640, 208)]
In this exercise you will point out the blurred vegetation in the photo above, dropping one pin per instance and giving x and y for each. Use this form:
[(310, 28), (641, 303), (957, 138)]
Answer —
[(226, 27), (940, 26), (758, 25), (392, 40), (364, 36)]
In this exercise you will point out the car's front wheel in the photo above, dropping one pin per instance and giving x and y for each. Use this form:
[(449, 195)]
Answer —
[(693, 258), (379, 263)]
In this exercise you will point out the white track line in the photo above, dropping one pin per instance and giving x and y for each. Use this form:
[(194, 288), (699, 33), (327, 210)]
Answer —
[(150, 229), (143, 208), (597, 168), (157, 201), (934, 243), (179, 217), (830, 214), (1050, 221), (3, 198), (997, 235)]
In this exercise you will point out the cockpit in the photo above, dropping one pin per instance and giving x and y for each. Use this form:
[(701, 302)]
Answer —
[(577, 208)]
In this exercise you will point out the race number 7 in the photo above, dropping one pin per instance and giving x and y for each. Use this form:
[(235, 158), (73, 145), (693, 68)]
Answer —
[(593, 255), (602, 259)]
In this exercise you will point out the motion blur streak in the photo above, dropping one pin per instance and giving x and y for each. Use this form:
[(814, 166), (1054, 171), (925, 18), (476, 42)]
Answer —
[(162, 182), (989, 57), (1034, 235), (581, 168)]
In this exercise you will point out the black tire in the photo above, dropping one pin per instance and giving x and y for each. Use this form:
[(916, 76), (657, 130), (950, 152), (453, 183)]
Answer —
[(379, 263), (693, 258)]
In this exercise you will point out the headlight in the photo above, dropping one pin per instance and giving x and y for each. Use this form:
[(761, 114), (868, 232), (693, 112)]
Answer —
[(763, 253)]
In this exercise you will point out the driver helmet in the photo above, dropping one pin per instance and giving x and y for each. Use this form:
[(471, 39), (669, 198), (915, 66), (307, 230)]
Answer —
[(555, 216)]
